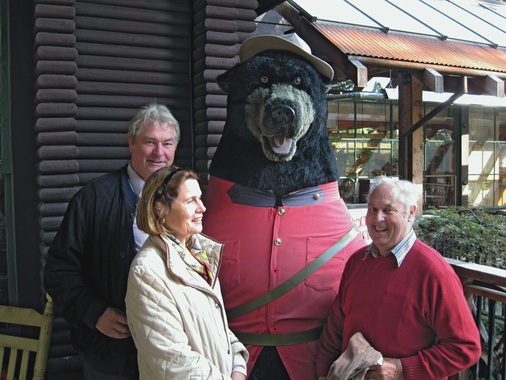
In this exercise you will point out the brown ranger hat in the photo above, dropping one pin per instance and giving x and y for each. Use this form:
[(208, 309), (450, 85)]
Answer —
[(286, 42)]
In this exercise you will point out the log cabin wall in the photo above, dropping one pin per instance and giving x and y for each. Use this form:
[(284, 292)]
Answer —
[(96, 63), (220, 26)]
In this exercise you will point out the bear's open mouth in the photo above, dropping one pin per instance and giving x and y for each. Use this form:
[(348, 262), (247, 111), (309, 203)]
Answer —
[(280, 144)]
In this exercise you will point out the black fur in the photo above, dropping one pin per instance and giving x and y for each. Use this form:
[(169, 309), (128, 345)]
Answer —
[(240, 158)]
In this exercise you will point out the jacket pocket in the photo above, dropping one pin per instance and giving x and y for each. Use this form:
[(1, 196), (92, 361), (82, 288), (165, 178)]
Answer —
[(329, 275)]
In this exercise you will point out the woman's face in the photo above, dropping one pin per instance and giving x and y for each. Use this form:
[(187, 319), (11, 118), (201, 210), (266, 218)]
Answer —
[(185, 215)]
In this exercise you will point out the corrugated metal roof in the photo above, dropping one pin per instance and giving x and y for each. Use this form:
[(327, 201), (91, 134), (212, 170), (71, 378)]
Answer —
[(457, 33), (370, 42)]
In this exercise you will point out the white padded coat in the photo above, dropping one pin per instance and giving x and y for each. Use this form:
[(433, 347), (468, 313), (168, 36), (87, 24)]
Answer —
[(177, 319)]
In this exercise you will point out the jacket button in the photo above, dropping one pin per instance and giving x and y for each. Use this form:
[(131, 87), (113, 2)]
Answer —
[(281, 212), (316, 196), (277, 241), (122, 254)]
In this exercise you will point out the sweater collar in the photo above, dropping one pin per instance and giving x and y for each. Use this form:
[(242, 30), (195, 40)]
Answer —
[(400, 251)]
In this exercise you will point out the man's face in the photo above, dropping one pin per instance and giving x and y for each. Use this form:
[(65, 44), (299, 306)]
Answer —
[(387, 219), (154, 148)]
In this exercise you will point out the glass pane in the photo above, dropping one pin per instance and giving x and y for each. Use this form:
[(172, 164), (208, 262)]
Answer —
[(481, 124), (483, 173)]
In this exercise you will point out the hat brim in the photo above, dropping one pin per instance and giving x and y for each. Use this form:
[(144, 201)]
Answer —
[(258, 44)]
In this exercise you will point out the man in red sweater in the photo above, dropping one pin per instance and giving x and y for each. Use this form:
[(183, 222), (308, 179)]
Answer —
[(403, 297)]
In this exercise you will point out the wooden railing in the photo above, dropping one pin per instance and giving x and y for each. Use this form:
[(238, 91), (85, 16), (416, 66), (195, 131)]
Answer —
[(485, 289)]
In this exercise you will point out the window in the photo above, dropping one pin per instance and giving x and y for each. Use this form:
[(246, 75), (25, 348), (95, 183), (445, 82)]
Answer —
[(365, 139)]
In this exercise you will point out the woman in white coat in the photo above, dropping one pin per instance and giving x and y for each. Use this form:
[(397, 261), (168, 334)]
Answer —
[(174, 305)]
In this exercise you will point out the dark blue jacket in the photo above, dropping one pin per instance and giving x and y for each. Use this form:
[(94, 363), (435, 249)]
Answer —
[(87, 267)]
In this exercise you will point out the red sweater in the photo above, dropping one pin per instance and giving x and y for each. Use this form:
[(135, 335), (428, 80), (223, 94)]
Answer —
[(265, 246), (416, 312)]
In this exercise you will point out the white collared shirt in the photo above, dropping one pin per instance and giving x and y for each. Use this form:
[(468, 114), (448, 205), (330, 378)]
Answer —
[(137, 184)]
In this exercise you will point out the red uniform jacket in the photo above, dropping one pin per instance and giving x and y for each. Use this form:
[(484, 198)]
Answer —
[(266, 245)]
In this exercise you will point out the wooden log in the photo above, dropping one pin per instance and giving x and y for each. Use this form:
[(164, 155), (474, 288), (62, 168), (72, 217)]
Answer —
[(125, 26), (104, 166), (56, 109), (211, 114), (56, 53), (57, 152), (48, 124), (120, 126), (105, 88), (54, 11), (56, 2), (211, 101), (217, 63), (111, 50), (54, 25), (56, 81), (57, 195), (57, 138), (58, 166), (125, 76), (218, 38), (114, 114), (211, 126), (56, 95), (246, 4), (208, 88), (125, 13), (135, 102), (55, 67), (101, 153), (207, 140), (55, 39), (52, 209), (121, 63), (103, 139), (50, 223), (59, 180), (225, 13), (163, 5), (133, 40)]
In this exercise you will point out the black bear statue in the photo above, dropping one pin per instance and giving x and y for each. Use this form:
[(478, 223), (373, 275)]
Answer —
[(273, 200)]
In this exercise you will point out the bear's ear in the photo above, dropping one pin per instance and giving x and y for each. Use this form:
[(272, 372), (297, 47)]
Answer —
[(224, 79)]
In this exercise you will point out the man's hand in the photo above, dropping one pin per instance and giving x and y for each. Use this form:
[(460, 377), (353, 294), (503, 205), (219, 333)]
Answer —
[(113, 323), (390, 370)]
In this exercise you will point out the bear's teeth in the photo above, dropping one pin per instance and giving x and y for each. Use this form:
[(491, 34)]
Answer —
[(279, 141)]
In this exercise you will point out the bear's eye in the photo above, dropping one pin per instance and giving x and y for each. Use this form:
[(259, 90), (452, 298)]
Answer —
[(297, 81), (264, 79)]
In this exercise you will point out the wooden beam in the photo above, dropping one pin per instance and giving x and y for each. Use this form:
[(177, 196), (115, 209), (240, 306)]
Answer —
[(361, 73), (494, 86), (433, 80)]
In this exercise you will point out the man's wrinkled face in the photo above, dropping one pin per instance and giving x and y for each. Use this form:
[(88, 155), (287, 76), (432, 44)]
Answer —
[(154, 148), (387, 219)]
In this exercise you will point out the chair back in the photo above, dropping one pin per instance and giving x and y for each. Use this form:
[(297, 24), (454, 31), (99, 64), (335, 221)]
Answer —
[(17, 350)]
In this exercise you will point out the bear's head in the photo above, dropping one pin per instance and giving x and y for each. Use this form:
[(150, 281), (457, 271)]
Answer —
[(275, 136)]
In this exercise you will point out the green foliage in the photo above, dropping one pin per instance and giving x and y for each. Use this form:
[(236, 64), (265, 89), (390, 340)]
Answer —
[(472, 235)]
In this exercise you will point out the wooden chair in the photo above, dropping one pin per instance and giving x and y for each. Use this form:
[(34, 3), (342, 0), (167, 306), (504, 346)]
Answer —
[(11, 345)]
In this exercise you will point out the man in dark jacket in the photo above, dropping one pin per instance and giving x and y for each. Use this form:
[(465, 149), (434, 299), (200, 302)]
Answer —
[(87, 265)]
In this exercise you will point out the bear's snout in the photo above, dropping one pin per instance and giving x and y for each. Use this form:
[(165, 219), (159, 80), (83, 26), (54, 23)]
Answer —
[(283, 114)]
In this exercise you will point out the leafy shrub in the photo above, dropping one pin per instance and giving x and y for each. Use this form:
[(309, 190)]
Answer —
[(472, 235)]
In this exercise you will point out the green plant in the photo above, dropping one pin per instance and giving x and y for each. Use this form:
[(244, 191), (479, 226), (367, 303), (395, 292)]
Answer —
[(472, 235)]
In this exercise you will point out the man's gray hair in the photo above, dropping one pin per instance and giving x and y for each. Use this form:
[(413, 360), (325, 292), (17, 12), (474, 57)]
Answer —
[(405, 191), (157, 113)]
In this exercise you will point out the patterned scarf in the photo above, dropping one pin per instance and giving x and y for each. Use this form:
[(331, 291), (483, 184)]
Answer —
[(204, 268), (201, 264)]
